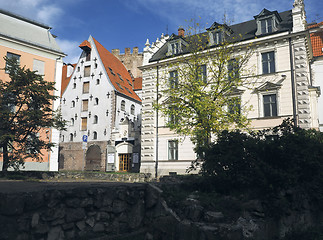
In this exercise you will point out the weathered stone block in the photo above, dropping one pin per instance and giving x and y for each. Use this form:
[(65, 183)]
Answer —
[(75, 214)]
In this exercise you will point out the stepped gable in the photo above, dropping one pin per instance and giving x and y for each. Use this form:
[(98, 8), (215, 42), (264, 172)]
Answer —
[(118, 74), (317, 40), (65, 79)]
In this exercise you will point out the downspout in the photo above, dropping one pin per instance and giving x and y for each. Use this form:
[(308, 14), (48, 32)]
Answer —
[(157, 99), (292, 80)]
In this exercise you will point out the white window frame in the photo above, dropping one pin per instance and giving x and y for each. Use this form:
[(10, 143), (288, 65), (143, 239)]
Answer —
[(175, 155), (261, 102)]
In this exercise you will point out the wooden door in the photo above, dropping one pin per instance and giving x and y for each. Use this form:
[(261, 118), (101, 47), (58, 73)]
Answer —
[(124, 162)]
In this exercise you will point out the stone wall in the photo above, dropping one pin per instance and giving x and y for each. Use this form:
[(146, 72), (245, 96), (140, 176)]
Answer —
[(77, 211), (130, 60)]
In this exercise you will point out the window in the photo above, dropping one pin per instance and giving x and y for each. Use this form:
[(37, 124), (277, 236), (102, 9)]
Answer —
[(97, 81), (234, 105), (73, 104), (201, 73), (268, 62), (123, 105), (95, 135), (86, 87), (217, 37), (87, 55), (72, 121), (12, 56), (132, 109), (173, 79), (96, 101), (71, 137), (233, 69), (95, 119), (78, 69), (95, 65), (266, 26), (74, 85), (172, 119), (85, 105), (270, 105), (175, 47), (39, 66), (87, 71), (84, 124), (173, 150)]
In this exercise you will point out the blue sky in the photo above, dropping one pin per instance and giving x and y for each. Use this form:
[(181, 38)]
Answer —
[(128, 23)]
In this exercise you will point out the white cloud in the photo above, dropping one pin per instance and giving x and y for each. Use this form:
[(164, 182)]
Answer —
[(44, 11), (49, 14), (71, 48)]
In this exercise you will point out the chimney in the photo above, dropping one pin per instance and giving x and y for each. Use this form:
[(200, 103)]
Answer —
[(181, 32)]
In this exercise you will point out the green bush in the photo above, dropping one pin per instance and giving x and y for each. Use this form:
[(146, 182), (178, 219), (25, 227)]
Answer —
[(266, 162)]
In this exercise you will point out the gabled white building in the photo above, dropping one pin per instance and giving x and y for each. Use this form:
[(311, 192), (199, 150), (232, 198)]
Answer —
[(316, 34), (282, 89), (103, 113)]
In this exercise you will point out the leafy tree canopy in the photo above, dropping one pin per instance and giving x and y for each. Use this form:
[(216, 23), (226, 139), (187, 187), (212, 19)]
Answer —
[(200, 93), (25, 112)]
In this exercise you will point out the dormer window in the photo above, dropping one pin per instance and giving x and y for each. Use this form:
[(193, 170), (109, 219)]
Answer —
[(267, 22), (176, 45), (266, 25), (217, 37), (218, 33), (175, 48)]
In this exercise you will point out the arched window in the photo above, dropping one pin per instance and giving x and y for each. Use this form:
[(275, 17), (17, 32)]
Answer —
[(95, 135), (95, 119), (96, 101), (98, 81), (71, 137), (73, 104), (123, 105), (72, 121), (132, 109)]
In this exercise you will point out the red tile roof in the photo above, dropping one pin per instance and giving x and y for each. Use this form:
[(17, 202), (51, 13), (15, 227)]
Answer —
[(317, 40), (65, 79), (85, 44), (118, 74), (137, 83)]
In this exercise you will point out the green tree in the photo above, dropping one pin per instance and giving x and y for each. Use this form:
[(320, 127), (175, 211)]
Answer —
[(202, 80), (25, 111)]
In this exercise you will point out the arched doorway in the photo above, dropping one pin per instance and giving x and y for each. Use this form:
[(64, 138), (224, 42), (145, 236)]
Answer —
[(93, 158)]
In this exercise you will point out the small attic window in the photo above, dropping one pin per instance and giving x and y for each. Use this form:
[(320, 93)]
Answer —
[(111, 71), (128, 90), (119, 86), (87, 55), (120, 77), (129, 82)]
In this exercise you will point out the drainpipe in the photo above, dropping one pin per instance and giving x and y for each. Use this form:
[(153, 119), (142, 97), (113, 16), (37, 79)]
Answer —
[(157, 90), (293, 80)]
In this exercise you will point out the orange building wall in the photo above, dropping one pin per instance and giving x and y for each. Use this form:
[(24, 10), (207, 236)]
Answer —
[(26, 59)]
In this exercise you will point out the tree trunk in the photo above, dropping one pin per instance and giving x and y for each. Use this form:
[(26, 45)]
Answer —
[(5, 157)]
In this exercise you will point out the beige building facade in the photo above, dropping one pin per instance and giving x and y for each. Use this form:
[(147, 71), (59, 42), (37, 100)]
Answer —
[(279, 70)]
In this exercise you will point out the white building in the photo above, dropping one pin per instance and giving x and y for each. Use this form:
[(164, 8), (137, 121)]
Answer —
[(103, 113), (316, 34), (283, 88)]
